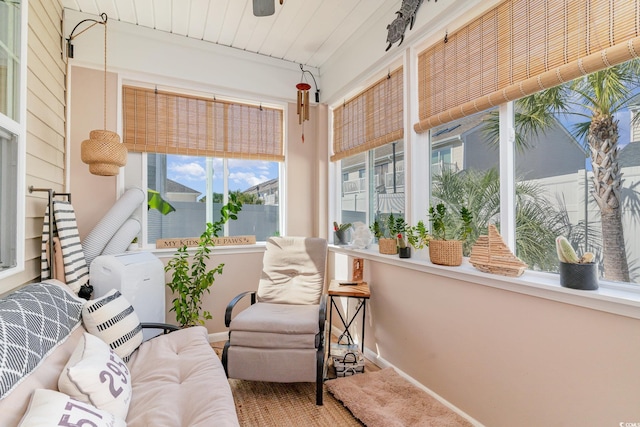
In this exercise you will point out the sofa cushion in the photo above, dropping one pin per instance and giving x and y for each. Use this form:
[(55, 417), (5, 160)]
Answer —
[(51, 408), (96, 375), (34, 320), (112, 318), (179, 381)]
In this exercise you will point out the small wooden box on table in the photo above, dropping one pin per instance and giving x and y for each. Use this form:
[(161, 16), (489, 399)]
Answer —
[(347, 358)]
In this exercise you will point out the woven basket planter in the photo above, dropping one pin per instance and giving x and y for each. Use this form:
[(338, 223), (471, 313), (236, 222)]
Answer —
[(387, 246), (103, 152), (445, 252)]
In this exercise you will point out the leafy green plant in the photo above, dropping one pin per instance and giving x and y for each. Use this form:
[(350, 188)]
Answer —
[(446, 227), (191, 280), (376, 230), (418, 236)]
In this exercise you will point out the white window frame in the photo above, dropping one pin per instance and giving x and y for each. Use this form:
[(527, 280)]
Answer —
[(19, 128)]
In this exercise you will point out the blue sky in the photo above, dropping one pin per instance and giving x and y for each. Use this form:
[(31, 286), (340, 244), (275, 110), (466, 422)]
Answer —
[(191, 171)]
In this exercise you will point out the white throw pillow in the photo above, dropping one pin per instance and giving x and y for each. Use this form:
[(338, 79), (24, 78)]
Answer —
[(95, 374), (112, 319), (49, 408)]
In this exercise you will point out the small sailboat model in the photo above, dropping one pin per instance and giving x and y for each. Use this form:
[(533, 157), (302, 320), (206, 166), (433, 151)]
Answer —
[(492, 255)]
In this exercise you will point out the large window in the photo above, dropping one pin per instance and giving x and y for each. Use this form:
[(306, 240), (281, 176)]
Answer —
[(200, 150), (584, 163), (11, 134), (190, 191), (567, 96)]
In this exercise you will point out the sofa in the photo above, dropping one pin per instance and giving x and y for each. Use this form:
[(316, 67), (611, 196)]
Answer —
[(49, 343)]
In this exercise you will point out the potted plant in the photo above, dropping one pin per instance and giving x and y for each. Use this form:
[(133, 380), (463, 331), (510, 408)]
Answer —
[(418, 236), (576, 272), (191, 280), (341, 233), (387, 237), (449, 234)]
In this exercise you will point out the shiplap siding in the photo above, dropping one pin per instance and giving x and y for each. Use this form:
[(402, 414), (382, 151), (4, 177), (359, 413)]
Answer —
[(45, 138)]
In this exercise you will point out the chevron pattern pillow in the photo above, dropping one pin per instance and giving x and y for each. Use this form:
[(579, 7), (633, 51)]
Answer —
[(34, 320)]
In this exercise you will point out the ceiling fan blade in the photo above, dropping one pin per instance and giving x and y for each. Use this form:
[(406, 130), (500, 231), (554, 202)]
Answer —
[(264, 7)]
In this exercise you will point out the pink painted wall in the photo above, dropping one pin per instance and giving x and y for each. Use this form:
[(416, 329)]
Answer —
[(505, 358), (92, 195)]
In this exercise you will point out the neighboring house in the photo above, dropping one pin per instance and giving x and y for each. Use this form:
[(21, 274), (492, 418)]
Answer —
[(462, 145), (176, 192), (266, 191), (388, 186)]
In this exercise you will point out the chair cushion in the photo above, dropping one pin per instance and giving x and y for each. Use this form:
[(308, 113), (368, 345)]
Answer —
[(278, 319), (293, 271)]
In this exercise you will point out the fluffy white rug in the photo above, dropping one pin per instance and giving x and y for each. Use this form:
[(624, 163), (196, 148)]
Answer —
[(385, 399)]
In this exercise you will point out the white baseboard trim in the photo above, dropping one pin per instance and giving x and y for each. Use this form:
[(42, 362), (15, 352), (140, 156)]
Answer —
[(380, 362)]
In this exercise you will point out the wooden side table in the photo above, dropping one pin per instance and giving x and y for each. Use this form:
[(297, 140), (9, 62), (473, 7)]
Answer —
[(362, 294)]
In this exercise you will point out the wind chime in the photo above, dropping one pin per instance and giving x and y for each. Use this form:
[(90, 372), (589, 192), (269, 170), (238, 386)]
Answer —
[(303, 98), (303, 104)]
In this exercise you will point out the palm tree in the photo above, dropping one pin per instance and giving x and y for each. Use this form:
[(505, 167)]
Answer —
[(594, 98), (536, 222)]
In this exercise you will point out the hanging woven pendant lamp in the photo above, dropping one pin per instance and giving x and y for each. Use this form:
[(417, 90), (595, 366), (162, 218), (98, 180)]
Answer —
[(103, 151)]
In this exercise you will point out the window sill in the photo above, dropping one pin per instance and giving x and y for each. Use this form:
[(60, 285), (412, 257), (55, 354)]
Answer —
[(623, 300)]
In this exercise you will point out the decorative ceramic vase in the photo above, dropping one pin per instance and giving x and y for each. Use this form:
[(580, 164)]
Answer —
[(404, 252), (579, 276), (445, 252)]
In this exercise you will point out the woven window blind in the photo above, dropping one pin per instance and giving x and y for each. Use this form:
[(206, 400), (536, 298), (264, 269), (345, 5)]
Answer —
[(169, 123), (371, 119), (521, 47)]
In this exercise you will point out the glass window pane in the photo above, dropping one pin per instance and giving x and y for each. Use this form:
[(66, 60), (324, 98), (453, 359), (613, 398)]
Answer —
[(8, 199), (582, 172), (388, 182), (465, 173), (385, 184), (9, 58), (179, 204), (256, 184), (176, 196), (354, 189)]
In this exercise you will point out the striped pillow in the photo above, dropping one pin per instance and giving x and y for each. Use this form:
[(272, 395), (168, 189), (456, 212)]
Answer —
[(112, 318)]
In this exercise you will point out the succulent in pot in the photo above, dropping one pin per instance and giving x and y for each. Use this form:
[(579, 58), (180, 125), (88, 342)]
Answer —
[(450, 234), (576, 272)]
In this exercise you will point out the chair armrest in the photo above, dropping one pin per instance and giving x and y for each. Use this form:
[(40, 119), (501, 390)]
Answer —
[(232, 304), (166, 327), (322, 317)]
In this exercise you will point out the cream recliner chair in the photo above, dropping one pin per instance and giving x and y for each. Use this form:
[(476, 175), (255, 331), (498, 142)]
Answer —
[(280, 336)]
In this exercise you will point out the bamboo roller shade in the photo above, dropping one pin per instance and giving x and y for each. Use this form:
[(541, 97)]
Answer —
[(371, 119), (521, 47), (170, 123)]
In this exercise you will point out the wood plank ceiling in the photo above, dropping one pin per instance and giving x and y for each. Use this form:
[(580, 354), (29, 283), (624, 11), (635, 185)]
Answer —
[(301, 31)]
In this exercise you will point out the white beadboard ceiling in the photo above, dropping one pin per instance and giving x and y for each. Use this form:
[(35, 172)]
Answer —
[(301, 31)]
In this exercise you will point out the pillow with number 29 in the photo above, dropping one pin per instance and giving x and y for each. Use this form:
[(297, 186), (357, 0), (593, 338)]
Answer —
[(96, 375), (49, 408)]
